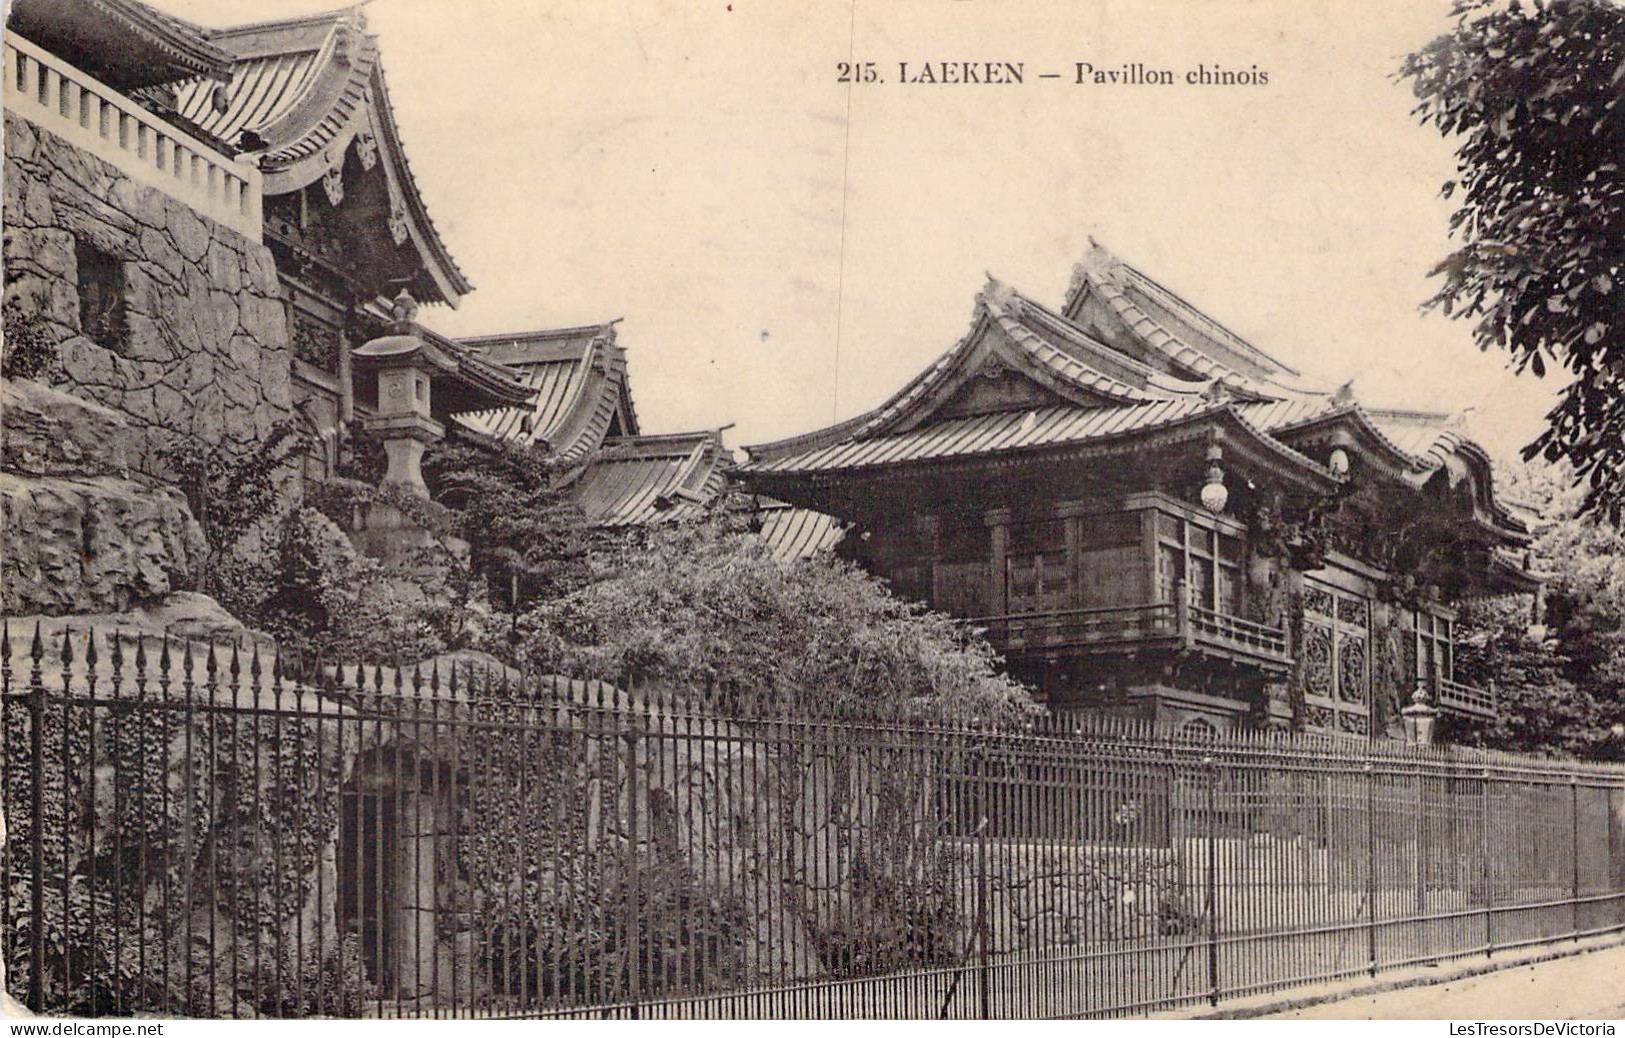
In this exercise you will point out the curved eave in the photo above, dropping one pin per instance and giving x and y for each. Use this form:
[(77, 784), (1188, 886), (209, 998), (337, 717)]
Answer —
[(496, 388), (392, 153), (1353, 426), (1224, 421), (1349, 426), (126, 43)]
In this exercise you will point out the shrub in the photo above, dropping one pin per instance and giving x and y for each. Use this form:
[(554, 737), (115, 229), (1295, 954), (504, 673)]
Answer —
[(699, 606)]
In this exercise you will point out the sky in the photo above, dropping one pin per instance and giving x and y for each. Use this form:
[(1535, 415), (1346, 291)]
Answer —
[(786, 250)]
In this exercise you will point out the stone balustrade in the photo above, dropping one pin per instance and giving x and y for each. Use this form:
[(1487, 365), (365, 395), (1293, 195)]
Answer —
[(89, 114)]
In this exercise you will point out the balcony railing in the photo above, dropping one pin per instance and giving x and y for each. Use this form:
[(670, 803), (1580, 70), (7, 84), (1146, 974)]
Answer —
[(1454, 697), (1156, 625), (89, 114)]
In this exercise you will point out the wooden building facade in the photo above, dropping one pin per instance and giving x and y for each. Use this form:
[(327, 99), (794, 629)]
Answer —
[(1148, 515)]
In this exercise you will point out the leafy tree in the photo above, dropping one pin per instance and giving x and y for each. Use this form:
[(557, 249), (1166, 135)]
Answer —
[(1561, 683), (1542, 707), (1533, 91), (525, 537), (701, 605)]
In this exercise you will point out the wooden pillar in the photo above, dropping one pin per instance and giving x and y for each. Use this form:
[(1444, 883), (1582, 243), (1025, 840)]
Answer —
[(1149, 551), (927, 532), (1072, 524), (998, 524)]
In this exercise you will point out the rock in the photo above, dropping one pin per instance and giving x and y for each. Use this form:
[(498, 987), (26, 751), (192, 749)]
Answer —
[(51, 433), (186, 614), (93, 543)]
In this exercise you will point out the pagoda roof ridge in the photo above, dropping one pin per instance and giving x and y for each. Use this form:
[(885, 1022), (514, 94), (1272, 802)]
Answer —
[(1086, 372), (287, 22), (1118, 283), (604, 329)]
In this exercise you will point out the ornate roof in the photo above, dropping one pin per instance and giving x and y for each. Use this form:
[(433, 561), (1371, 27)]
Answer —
[(307, 92), (1010, 334), (793, 533), (124, 43), (1124, 358), (1059, 427), (637, 480), (579, 379)]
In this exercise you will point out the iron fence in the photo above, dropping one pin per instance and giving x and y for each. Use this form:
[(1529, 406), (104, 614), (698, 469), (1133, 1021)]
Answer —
[(206, 830)]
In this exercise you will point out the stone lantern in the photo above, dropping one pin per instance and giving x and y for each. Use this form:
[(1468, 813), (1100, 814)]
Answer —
[(415, 380), (405, 365)]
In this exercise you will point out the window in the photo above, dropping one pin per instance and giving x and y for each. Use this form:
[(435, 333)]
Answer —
[(1206, 559), (1035, 567), (1435, 648), (101, 297)]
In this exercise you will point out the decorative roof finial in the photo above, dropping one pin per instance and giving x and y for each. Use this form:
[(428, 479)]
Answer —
[(1344, 395), (403, 308), (1217, 394), (996, 293)]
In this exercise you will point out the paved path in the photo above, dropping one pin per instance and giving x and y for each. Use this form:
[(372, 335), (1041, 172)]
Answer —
[(1583, 987)]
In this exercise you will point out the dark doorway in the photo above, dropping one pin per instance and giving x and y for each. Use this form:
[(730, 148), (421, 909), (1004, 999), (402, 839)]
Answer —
[(368, 900)]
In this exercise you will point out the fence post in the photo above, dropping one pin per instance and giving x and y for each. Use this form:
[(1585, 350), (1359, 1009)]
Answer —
[(36, 748), (1485, 873), (1371, 867), (633, 908), (7, 1004), (1574, 846), (1419, 834), (1211, 827), (984, 925)]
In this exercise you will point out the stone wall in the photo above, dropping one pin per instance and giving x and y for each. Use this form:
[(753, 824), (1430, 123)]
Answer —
[(207, 351), (80, 530)]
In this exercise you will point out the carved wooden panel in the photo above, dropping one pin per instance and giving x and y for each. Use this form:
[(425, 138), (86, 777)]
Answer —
[(1336, 659)]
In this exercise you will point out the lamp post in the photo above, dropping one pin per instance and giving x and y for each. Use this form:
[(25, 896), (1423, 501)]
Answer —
[(1419, 718)]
